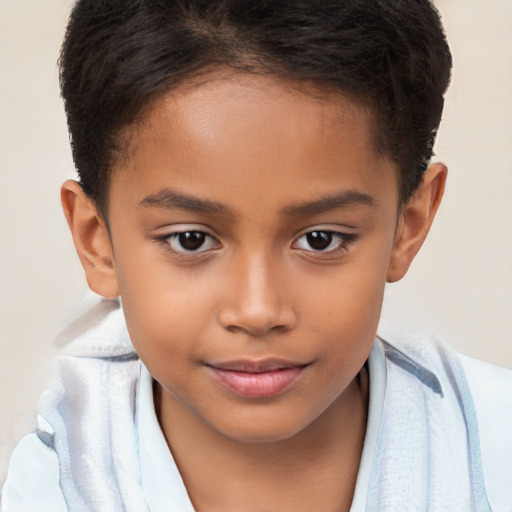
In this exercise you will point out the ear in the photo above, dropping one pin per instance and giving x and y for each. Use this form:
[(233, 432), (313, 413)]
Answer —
[(91, 238), (415, 221)]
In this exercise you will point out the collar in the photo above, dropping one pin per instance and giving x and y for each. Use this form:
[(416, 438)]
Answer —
[(161, 480)]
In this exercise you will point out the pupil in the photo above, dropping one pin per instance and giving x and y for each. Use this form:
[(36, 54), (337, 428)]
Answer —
[(191, 240), (319, 240)]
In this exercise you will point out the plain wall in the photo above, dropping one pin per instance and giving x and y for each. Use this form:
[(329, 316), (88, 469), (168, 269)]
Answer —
[(460, 286)]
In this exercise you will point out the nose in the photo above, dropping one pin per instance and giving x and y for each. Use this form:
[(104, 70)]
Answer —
[(257, 301)]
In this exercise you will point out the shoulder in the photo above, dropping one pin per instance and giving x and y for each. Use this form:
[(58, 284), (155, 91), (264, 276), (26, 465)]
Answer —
[(32, 482), (481, 391), (86, 436), (490, 385), (491, 390)]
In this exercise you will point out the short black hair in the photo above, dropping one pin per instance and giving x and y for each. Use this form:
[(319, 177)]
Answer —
[(118, 55)]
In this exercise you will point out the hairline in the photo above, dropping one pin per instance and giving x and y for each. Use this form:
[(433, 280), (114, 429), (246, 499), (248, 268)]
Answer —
[(317, 89)]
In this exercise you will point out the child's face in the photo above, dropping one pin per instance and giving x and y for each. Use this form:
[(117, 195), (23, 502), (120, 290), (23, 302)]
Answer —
[(252, 230)]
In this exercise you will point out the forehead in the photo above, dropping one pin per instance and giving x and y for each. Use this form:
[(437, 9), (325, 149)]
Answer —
[(218, 101), (246, 130)]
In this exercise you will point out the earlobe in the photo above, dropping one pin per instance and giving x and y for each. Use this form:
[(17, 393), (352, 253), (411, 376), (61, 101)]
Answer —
[(91, 239), (415, 221)]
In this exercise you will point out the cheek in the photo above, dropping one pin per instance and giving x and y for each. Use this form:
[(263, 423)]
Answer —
[(349, 297), (165, 309), (344, 307)]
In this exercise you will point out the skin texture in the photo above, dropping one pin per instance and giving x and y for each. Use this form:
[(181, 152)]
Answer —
[(279, 161)]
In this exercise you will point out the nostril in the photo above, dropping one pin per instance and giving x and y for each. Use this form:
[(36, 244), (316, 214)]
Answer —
[(257, 332), (257, 302), (257, 324)]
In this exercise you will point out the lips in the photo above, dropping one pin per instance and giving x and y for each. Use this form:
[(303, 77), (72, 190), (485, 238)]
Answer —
[(257, 379)]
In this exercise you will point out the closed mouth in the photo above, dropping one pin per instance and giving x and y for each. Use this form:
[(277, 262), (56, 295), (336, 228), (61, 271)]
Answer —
[(257, 379)]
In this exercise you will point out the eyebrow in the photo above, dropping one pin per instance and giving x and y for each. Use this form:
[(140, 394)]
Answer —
[(172, 199), (345, 199)]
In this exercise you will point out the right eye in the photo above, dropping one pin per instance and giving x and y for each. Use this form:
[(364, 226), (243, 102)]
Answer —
[(187, 242)]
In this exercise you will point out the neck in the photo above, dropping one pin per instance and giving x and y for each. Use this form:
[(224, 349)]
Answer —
[(315, 469)]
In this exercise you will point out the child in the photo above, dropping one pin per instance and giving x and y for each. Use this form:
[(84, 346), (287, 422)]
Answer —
[(252, 173)]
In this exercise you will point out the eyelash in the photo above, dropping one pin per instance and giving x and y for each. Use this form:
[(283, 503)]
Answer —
[(344, 241), (167, 241)]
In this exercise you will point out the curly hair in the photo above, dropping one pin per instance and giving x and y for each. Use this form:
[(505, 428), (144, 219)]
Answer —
[(118, 55)]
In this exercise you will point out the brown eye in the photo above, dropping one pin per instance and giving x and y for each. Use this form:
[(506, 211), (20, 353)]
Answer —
[(191, 240), (324, 241), (319, 240)]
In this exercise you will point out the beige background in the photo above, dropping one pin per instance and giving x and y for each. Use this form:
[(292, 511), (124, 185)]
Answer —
[(460, 286)]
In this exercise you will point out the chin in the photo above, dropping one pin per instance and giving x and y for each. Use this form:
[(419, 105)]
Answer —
[(260, 431), (259, 437)]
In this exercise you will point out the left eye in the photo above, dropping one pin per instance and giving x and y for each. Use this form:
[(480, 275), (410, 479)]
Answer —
[(321, 241), (190, 242)]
